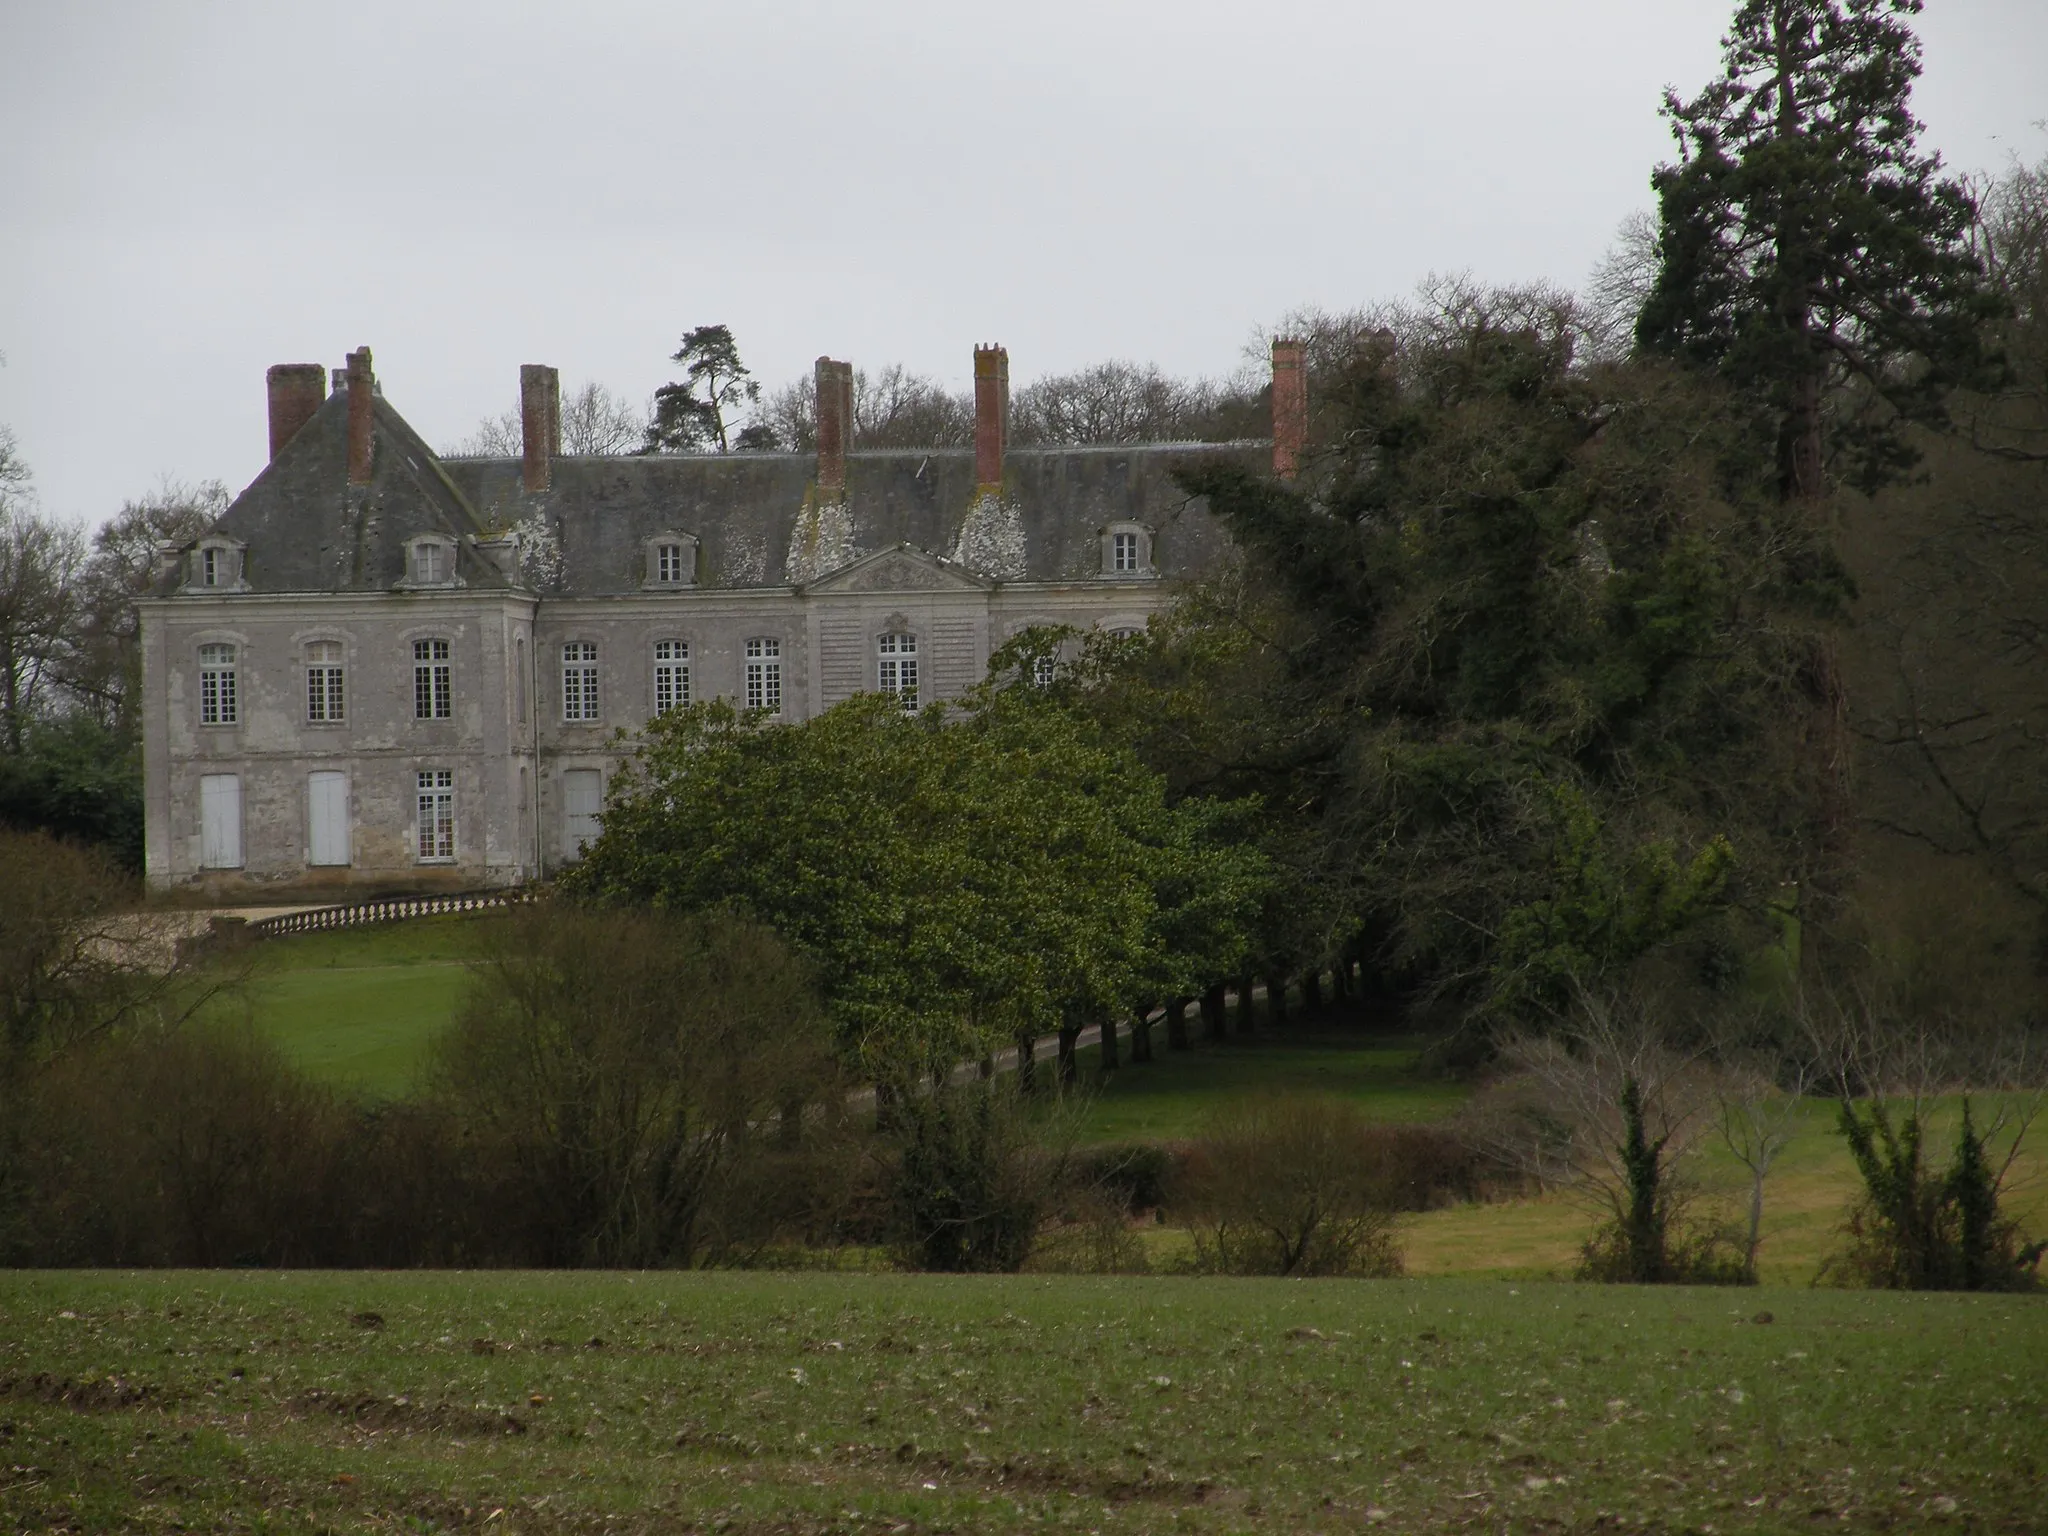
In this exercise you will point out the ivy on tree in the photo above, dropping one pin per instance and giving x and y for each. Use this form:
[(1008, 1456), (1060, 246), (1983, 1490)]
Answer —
[(1808, 251), (696, 413)]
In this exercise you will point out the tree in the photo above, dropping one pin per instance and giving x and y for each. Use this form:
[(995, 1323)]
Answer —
[(685, 420), (103, 670), (40, 562), (1808, 251), (1115, 402), (621, 1069), (1518, 664), (892, 408), (595, 423)]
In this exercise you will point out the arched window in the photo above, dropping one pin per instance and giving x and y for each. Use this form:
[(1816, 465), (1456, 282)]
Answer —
[(325, 703), (896, 667), (219, 695), (671, 675)]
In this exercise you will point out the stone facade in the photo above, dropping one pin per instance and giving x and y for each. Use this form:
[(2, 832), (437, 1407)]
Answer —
[(382, 670)]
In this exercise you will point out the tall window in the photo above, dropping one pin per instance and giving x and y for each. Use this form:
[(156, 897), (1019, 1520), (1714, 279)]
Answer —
[(764, 675), (579, 680), (896, 667), (323, 681), (519, 678), (1043, 667), (1123, 552), (212, 567), (429, 563), (668, 562), (218, 704), (433, 690), (671, 675), (436, 814)]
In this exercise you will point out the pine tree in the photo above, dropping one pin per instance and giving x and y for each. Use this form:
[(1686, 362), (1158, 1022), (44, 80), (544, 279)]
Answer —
[(685, 421), (1808, 251)]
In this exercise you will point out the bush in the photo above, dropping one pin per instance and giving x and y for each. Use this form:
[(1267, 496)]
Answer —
[(199, 1146), (971, 1183), (1291, 1186), (1918, 1229), (617, 1076)]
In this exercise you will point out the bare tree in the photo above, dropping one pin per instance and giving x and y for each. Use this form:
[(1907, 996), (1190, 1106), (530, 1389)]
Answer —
[(1620, 282), (102, 667), (595, 423), (40, 560), (1115, 402), (892, 408), (1757, 1119)]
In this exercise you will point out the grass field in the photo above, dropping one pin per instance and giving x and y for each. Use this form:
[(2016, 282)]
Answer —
[(759, 1403), (359, 1007)]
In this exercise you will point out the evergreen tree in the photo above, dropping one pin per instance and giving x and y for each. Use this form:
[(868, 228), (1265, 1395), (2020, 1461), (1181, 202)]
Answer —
[(1808, 251), (685, 420)]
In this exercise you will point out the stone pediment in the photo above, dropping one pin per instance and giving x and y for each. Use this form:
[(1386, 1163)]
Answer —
[(903, 568)]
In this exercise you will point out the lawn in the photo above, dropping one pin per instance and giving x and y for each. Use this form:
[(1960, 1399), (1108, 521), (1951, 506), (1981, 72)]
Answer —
[(1168, 1098), (758, 1403), (358, 1007)]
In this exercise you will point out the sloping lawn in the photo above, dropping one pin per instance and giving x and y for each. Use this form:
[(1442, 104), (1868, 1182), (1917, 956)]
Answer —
[(359, 1007)]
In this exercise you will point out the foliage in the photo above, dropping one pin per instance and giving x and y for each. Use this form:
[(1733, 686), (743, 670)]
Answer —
[(1289, 1187), (971, 1181), (1048, 843), (1521, 667), (685, 420), (80, 780), (617, 1068), (1808, 251), (1918, 1228)]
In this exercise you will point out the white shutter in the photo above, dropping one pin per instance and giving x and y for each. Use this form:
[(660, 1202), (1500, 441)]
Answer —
[(220, 821), (582, 800), (327, 811)]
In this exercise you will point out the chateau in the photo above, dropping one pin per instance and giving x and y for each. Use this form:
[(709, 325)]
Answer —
[(384, 669)]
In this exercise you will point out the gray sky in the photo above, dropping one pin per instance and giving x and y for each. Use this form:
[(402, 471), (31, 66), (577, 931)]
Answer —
[(191, 191)]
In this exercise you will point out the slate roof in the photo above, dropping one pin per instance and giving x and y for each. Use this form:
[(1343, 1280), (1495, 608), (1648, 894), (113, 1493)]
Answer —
[(307, 530)]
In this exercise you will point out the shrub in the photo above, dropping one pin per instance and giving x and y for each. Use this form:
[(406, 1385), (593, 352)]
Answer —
[(1290, 1185), (1916, 1228), (613, 1075), (971, 1183)]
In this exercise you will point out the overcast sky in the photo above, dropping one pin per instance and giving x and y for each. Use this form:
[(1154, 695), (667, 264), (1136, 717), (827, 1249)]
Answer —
[(190, 191)]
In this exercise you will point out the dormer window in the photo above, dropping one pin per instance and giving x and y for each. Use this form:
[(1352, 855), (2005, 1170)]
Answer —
[(217, 566), (1127, 550), (671, 561), (433, 563)]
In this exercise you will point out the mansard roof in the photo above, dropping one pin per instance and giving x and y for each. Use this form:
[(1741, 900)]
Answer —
[(758, 517)]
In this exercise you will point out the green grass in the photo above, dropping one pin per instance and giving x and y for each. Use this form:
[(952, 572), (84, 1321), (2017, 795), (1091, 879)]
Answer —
[(1168, 1098), (759, 1403), (359, 1007)]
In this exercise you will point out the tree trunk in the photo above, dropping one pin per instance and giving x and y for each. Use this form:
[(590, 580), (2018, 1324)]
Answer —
[(1070, 1034), (1111, 1057), (1340, 980), (1027, 1065), (1276, 1000), (1312, 992), (1141, 1033), (1246, 1024), (1177, 1024), (1213, 1011)]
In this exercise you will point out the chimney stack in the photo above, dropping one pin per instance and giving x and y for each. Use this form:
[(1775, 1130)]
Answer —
[(296, 392), (1290, 407), (361, 384), (991, 417), (540, 423), (835, 426)]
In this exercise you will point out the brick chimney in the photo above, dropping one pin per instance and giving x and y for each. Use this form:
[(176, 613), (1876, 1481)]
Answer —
[(835, 426), (540, 423), (361, 387), (296, 392), (1290, 407), (991, 417)]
